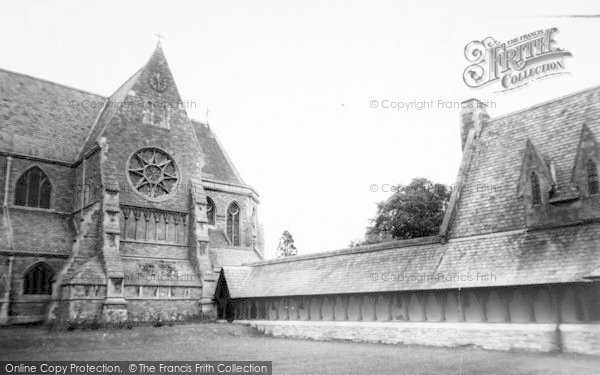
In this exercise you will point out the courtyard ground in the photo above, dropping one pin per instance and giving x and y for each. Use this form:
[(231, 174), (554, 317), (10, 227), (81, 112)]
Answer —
[(290, 356)]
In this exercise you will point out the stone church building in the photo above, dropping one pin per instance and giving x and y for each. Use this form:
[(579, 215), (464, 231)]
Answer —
[(115, 208), (122, 208), (516, 263)]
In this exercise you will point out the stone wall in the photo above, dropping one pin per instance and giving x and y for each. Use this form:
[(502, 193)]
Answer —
[(62, 179), (26, 307), (222, 202), (174, 309), (126, 228), (572, 338), (501, 318)]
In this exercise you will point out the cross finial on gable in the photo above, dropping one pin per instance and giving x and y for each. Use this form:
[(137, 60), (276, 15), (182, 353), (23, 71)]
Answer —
[(160, 38), (207, 112)]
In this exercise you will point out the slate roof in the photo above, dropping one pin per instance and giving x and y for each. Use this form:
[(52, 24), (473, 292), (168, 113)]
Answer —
[(489, 243), (560, 255), (218, 166), (489, 201), (41, 118), (232, 256), (236, 277), (112, 105), (53, 235), (595, 274)]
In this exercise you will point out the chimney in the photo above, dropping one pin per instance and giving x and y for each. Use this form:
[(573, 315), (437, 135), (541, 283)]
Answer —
[(473, 116)]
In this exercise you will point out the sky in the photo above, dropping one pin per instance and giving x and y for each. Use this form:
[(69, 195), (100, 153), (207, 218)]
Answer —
[(290, 86)]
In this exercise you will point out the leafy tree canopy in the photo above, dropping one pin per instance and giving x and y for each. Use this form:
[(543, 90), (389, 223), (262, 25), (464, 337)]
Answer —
[(286, 245), (414, 210)]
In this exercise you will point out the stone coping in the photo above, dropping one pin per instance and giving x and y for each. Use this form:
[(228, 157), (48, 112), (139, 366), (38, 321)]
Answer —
[(588, 327)]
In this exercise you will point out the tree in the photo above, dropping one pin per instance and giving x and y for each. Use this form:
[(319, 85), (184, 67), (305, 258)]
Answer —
[(286, 245), (414, 210)]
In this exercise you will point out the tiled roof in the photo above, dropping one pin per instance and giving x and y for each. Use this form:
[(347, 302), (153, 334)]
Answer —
[(236, 277), (109, 111), (51, 121), (595, 274), (44, 119), (489, 200), (218, 166), (558, 255), (53, 234), (231, 256)]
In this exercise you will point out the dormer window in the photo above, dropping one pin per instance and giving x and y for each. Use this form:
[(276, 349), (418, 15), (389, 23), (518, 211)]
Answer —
[(592, 177), (536, 194)]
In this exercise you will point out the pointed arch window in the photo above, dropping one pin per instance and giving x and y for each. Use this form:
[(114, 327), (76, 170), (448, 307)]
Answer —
[(211, 211), (592, 177), (233, 224), (536, 194), (33, 189), (38, 279)]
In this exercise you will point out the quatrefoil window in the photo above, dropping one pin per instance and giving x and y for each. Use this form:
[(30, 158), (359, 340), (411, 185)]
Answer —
[(153, 173)]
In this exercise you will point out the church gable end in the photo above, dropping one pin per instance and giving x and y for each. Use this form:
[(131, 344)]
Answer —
[(126, 204), (535, 181), (152, 150), (585, 171), (548, 203)]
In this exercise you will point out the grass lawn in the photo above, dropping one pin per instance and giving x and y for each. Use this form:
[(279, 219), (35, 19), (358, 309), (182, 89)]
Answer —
[(290, 356)]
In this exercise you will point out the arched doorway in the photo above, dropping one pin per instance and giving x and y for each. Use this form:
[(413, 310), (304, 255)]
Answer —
[(225, 307)]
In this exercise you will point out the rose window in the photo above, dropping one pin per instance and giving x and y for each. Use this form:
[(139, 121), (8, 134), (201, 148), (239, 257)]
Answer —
[(153, 173)]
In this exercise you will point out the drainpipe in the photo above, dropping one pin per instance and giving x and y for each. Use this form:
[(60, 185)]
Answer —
[(5, 203), (83, 165), (11, 261), (6, 182), (6, 298)]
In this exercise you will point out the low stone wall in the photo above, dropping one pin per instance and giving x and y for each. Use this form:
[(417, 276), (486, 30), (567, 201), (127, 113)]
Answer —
[(573, 338), (581, 338)]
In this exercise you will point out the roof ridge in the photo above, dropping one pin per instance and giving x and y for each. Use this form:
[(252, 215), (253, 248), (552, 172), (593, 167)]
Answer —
[(53, 83), (236, 173), (109, 104), (227, 158), (353, 250), (127, 81), (547, 102)]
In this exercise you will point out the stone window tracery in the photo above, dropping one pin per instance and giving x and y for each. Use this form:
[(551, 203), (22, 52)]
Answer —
[(211, 211), (153, 174), (38, 279), (233, 224), (33, 189)]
